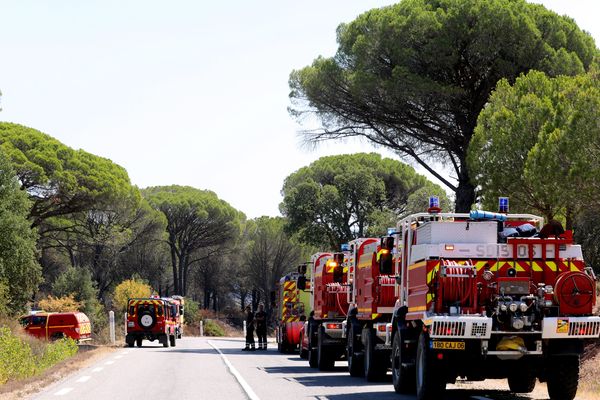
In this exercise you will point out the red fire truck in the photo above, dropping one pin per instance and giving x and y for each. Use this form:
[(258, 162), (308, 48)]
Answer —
[(372, 299), (480, 297), (152, 319), (329, 302), (291, 310)]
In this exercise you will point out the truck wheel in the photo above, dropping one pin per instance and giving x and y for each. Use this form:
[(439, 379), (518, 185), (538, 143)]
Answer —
[(355, 361), (431, 382), (563, 375), (375, 367), (522, 382), (403, 377), (57, 336), (138, 342), (303, 353), (312, 351), (173, 339), (165, 341), (325, 359)]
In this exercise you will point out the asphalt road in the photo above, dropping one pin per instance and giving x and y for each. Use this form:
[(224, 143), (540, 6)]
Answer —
[(203, 368)]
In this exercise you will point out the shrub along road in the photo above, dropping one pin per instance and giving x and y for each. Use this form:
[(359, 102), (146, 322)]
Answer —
[(203, 368)]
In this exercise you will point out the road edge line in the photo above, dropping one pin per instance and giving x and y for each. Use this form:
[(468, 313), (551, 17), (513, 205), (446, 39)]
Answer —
[(240, 379)]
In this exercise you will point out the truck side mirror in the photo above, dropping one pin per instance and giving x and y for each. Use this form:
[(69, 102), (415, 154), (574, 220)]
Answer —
[(301, 283), (302, 269)]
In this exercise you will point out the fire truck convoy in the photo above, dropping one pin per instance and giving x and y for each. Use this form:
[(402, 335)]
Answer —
[(456, 296)]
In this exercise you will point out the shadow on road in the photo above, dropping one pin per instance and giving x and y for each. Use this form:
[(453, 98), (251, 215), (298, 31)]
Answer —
[(456, 394)]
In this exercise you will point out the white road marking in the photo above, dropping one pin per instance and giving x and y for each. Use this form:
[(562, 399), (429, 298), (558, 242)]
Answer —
[(117, 357), (98, 369), (63, 391), (249, 392), (109, 362), (84, 378)]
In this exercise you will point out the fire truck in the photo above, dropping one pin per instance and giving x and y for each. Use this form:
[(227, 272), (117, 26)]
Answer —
[(329, 301), (152, 319), (371, 299), (292, 308), (482, 296), (179, 302)]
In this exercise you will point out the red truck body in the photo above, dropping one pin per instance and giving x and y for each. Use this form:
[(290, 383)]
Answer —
[(74, 325)]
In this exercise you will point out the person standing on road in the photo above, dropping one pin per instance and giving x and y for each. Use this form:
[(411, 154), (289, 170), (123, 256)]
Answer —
[(249, 330), (261, 327)]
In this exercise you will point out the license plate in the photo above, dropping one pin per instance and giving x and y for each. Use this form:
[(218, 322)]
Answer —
[(447, 345)]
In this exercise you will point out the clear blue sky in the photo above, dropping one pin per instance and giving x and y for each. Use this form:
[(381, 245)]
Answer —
[(184, 92)]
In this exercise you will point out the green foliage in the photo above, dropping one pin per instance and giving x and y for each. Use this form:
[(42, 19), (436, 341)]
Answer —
[(338, 198), (16, 358), (192, 309), (60, 180), (196, 220), (78, 283), (212, 328), (538, 141), (271, 253), (21, 358), (414, 76), (20, 272), (55, 352)]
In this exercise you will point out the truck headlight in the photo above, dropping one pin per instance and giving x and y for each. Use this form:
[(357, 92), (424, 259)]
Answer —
[(513, 307), (523, 307), (503, 307)]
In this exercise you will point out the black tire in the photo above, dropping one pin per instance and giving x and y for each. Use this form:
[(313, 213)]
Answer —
[(325, 360), (173, 340), (57, 336), (403, 378), (375, 367), (522, 382), (431, 382), (138, 342), (165, 341), (563, 376), (312, 351), (355, 361)]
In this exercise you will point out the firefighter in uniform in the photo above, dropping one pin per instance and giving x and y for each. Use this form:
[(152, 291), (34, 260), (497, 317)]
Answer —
[(261, 327), (249, 330)]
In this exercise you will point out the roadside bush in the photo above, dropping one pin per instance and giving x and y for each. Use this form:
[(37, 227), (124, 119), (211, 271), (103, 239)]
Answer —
[(25, 356), (16, 358), (212, 328), (192, 309), (130, 288), (60, 304)]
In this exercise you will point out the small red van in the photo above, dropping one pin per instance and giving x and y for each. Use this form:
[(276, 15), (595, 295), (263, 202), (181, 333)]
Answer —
[(53, 326)]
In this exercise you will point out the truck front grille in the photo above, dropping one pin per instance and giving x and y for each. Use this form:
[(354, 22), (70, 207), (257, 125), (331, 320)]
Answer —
[(448, 328), (584, 328)]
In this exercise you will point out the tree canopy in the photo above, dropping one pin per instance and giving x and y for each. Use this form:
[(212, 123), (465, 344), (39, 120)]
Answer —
[(20, 272), (59, 180), (338, 198), (196, 220), (414, 76), (539, 142)]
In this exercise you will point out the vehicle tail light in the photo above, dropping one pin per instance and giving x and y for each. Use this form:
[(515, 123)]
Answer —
[(381, 328), (130, 324), (333, 326)]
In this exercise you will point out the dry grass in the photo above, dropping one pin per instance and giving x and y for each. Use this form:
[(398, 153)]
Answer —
[(14, 390)]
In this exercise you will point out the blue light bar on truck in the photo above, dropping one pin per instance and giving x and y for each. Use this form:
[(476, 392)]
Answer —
[(478, 214), (434, 202), (345, 247), (391, 231), (503, 205)]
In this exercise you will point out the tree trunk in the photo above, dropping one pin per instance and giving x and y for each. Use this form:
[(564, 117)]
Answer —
[(174, 265), (465, 192)]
